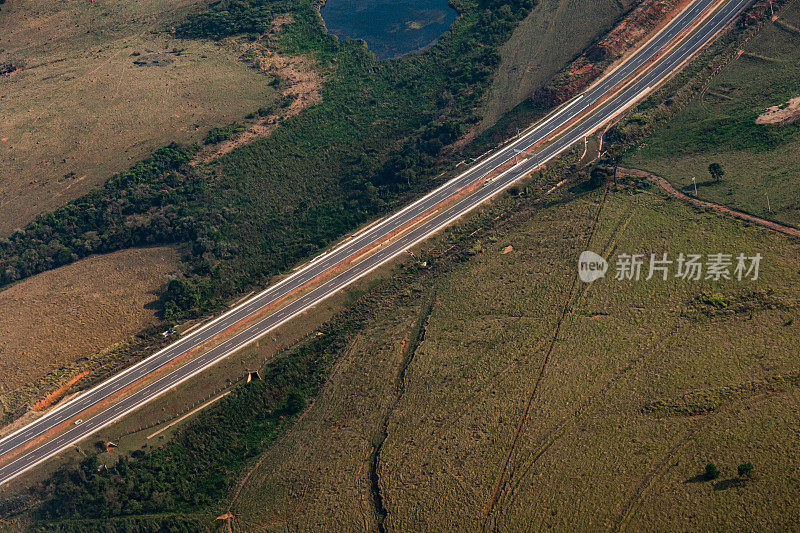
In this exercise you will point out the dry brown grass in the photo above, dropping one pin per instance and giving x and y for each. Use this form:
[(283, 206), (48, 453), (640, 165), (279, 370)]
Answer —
[(53, 318), (80, 109)]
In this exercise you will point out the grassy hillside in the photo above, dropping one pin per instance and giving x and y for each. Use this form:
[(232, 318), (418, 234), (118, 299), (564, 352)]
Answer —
[(644, 386), (551, 36), (71, 315), (103, 84), (719, 126)]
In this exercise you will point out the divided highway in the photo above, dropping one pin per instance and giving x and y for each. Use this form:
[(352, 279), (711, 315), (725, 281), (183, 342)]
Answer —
[(581, 116)]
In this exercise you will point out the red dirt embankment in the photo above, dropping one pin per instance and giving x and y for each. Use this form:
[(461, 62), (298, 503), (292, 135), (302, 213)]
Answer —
[(645, 19), (57, 394)]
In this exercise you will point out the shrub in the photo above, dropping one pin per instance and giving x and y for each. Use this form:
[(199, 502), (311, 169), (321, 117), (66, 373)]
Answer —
[(295, 402), (716, 170), (712, 472), (745, 469), (219, 134), (599, 175)]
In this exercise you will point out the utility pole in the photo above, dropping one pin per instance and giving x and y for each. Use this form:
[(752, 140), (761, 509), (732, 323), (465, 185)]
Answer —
[(768, 208), (694, 182)]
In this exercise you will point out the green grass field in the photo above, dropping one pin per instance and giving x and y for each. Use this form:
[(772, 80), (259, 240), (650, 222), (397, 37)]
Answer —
[(552, 35), (609, 440), (760, 160)]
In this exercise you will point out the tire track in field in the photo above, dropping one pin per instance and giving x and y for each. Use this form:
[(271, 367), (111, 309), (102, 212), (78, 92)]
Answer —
[(560, 428), (633, 504), (503, 479), (567, 422)]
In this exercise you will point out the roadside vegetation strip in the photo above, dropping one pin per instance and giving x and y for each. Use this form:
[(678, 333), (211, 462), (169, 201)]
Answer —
[(187, 415), (56, 395)]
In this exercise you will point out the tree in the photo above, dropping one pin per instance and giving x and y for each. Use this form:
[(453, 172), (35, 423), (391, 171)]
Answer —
[(712, 472), (599, 175), (745, 469), (716, 170), (295, 401)]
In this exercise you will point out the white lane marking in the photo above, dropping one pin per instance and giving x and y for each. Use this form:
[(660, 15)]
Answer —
[(337, 288), (46, 419)]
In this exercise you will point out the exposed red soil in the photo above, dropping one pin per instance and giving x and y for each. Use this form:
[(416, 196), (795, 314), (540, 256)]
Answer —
[(9, 69), (647, 18), (57, 394)]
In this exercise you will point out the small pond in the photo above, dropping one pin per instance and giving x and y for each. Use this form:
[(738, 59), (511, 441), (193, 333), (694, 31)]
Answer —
[(391, 28)]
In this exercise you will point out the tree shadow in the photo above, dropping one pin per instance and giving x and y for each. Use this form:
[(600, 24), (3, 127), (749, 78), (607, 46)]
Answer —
[(155, 305), (700, 184), (726, 484), (699, 478), (583, 187)]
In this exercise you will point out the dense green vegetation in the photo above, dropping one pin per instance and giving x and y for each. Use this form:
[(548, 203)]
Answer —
[(197, 468), (232, 17), (380, 133), (109, 218), (133, 524)]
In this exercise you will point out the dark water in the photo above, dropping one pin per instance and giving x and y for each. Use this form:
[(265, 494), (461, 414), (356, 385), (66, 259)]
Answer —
[(391, 28)]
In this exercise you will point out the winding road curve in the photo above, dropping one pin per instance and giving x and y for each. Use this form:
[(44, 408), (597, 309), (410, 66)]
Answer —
[(579, 117)]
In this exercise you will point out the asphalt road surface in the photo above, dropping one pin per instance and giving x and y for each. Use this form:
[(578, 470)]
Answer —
[(568, 113)]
